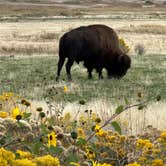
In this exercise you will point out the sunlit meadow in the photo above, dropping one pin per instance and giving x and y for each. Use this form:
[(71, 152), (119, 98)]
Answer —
[(82, 122)]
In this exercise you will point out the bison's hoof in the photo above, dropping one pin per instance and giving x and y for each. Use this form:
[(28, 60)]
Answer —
[(57, 78), (101, 77), (69, 79), (89, 77)]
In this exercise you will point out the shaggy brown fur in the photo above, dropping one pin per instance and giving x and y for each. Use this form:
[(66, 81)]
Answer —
[(97, 46)]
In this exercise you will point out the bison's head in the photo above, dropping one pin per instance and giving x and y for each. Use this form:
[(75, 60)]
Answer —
[(119, 66)]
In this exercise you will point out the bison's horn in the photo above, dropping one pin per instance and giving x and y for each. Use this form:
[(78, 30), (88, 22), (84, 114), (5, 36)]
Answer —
[(121, 58)]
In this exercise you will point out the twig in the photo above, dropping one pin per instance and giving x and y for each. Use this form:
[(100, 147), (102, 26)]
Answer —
[(114, 116), (11, 142)]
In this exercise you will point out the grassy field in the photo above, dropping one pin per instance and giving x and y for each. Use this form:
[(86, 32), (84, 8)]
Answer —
[(28, 60), (88, 122), (34, 78)]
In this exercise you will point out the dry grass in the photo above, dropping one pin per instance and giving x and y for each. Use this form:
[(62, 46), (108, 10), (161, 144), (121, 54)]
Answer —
[(22, 10), (50, 8), (144, 29), (134, 121), (27, 48), (42, 37)]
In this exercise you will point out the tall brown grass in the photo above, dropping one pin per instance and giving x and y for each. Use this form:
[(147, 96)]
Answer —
[(28, 48), (146, 28)]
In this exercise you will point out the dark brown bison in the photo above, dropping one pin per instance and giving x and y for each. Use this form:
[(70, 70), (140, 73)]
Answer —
[(97, 46)]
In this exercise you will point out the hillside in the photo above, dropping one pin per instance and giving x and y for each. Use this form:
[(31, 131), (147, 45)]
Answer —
[(21, 9)]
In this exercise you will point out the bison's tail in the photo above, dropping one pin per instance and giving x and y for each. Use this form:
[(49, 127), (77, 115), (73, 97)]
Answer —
[(62, 56), (62, 48)]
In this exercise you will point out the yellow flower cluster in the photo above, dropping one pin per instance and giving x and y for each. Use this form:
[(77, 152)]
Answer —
[(74, 164), (23, 154), (151, 152), (162, 138), (163, 135), (146, 144), (123, 45), (8, 158), (3, 114), (15, 113), (99, 131), (158, 162), (47, 161), (6, 96), (133, 164), (9, 107), (24, 162), (95, 163)]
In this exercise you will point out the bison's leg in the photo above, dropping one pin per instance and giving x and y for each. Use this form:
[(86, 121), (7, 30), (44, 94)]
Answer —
[(90, 72), (99, 71), (109, 75), (100, 74), (68, 68), (60, 64)]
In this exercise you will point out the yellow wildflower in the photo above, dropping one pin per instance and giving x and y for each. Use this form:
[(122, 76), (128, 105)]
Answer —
[(23, 162), (112, 138), (163, 134), (94, 163), (23, 154), (65, 89), (160, 140), (157, 162), (3, 162), (83, 121), (67, 117), (142, 159), (16, 112), (3, 114), (81, 132), (97, 128), (156, 151), (140, 143), (148, 145), (133, 164), (123, 45), (140, 95), (7, 96), (47, 160), (99, 131), (94, 116), (90, 154), (122, 138), (7, 155), (75, 164), (105, 164), (52, 139)]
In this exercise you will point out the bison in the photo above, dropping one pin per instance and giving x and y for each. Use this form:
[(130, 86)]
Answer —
[(97, 46)]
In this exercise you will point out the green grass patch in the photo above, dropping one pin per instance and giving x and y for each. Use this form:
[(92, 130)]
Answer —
[(34, 78)]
